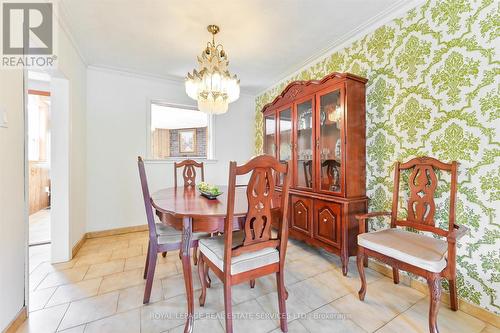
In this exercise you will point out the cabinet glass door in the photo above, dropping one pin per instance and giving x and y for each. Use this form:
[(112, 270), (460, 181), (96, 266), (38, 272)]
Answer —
[(270, 135), (285, 137), (305, 149), (329, 146)]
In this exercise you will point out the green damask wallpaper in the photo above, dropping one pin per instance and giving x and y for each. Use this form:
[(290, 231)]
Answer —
[(434, 81)]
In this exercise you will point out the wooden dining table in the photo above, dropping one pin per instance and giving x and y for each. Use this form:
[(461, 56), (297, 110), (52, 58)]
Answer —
[(185, 209)]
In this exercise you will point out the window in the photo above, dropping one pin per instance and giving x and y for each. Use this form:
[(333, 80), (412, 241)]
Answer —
[(180, 132)]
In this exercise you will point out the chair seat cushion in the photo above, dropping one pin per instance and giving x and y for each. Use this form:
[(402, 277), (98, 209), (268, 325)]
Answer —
[(168, 235), (213, 249), (416, 249)]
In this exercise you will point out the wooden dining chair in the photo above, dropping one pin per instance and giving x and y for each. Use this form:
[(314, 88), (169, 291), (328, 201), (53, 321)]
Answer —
[(429, 257), (252, 252), (162, 237), (189, 172)]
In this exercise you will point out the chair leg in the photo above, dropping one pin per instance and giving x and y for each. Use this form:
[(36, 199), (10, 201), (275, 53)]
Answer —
[(395, 275), (147, 262), (434, 283), (280, 281), (361, 271), (252, 283), (453, 294), (228, 307), (203, 281), (153, 254), (195, 255), (207, 276), (164, 254)]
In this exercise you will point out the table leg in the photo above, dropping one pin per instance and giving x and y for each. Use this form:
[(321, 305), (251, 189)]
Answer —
[(186, 269)]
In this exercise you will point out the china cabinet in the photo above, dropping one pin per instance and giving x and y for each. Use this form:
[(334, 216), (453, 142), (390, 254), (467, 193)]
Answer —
[(319, 126)]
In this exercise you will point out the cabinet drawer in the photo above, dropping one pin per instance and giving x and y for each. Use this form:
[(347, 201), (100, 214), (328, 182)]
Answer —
[(327, 222), (301, 214)]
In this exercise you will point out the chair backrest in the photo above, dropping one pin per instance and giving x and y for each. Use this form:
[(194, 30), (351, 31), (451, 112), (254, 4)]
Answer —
[(308, 173), (423, 183), (260, 193), (189, 172), (147, 198)]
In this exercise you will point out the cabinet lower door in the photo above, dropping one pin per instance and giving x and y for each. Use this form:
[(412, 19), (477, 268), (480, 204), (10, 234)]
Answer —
[(327, 222), (301, 215)]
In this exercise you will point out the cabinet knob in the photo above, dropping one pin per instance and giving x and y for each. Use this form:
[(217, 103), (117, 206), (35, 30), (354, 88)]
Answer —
[(325, 220), (299, 212)]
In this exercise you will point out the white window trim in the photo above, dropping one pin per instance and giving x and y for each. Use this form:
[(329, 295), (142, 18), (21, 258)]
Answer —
[(211, 134)]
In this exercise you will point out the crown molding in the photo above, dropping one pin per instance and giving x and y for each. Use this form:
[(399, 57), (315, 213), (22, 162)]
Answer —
[(392, 12)]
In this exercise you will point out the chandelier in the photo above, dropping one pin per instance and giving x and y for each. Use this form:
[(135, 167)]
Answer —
[(212, 85)]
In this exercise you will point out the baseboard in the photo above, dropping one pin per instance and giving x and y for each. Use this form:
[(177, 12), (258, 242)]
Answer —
[(463, 305), (117, 231), (78, 246), (17, 321)]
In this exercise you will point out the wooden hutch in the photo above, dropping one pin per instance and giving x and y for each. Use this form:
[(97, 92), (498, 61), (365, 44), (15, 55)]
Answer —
[(319, 126)]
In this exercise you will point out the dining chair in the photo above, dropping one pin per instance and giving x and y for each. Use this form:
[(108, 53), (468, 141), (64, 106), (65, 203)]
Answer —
[(426, 256), (252, 252), (189, 172), (162, 237)]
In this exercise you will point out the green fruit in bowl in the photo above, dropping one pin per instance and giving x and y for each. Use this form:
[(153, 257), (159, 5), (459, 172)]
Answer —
[(207, 188)]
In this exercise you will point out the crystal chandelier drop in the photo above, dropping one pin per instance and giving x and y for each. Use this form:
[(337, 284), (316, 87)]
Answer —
[(212, 85)]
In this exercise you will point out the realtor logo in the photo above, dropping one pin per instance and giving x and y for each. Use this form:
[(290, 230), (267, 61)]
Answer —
[(27, 34)]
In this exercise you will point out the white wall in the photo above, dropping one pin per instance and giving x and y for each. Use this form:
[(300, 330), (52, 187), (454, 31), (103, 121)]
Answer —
[(13, 238), (117, 105), (72, 67)]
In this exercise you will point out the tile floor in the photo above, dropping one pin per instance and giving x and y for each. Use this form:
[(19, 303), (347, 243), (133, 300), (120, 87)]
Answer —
[(101, 290), (39, 227)]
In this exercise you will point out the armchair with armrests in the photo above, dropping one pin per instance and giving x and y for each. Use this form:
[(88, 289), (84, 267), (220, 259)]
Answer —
[(426, 256)]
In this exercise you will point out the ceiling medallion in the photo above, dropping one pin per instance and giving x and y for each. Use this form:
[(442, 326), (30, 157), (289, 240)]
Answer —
[(212, 85)]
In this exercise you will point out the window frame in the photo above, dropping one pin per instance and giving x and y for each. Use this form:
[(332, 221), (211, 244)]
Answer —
[(211, 133)]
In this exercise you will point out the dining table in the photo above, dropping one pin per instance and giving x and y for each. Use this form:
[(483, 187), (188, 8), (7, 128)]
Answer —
[(186, 209)]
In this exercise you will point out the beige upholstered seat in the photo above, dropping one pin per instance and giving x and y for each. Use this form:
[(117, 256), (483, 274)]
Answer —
[(419, 250), (168, 234), (213, 249)]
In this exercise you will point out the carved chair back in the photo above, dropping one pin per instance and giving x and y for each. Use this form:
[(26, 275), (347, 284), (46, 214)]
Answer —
[(308, 173), (261, 199), (147, 198), (332, 171), (423, 183), (189, 172)]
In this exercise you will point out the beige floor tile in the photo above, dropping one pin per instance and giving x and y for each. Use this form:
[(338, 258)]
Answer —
[(386, 301), (207, 324), (105, 268), (129, 322), (38, 299), (135, 262), (59, 278), (327, 319), (263, 285), (415, 320), (127, 252), (131, 298), (169, 269), (89, 309), (315, 293), (162, 316), (92, 259), (294, 306), (245, 316), (293, 327), (174, 285), (44, 321), (77, 329), (75, 291), (121, 280)]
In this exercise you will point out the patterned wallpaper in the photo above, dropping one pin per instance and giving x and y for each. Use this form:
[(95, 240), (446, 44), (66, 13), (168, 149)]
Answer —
[(434, 81)]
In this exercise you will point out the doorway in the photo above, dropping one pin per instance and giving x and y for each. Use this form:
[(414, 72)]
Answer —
[(39, 153)]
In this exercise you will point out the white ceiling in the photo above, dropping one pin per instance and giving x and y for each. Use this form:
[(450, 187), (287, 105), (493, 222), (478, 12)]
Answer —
[(265, 40)]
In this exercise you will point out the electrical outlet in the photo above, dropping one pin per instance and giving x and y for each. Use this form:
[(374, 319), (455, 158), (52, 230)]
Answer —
[(3, 118)]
